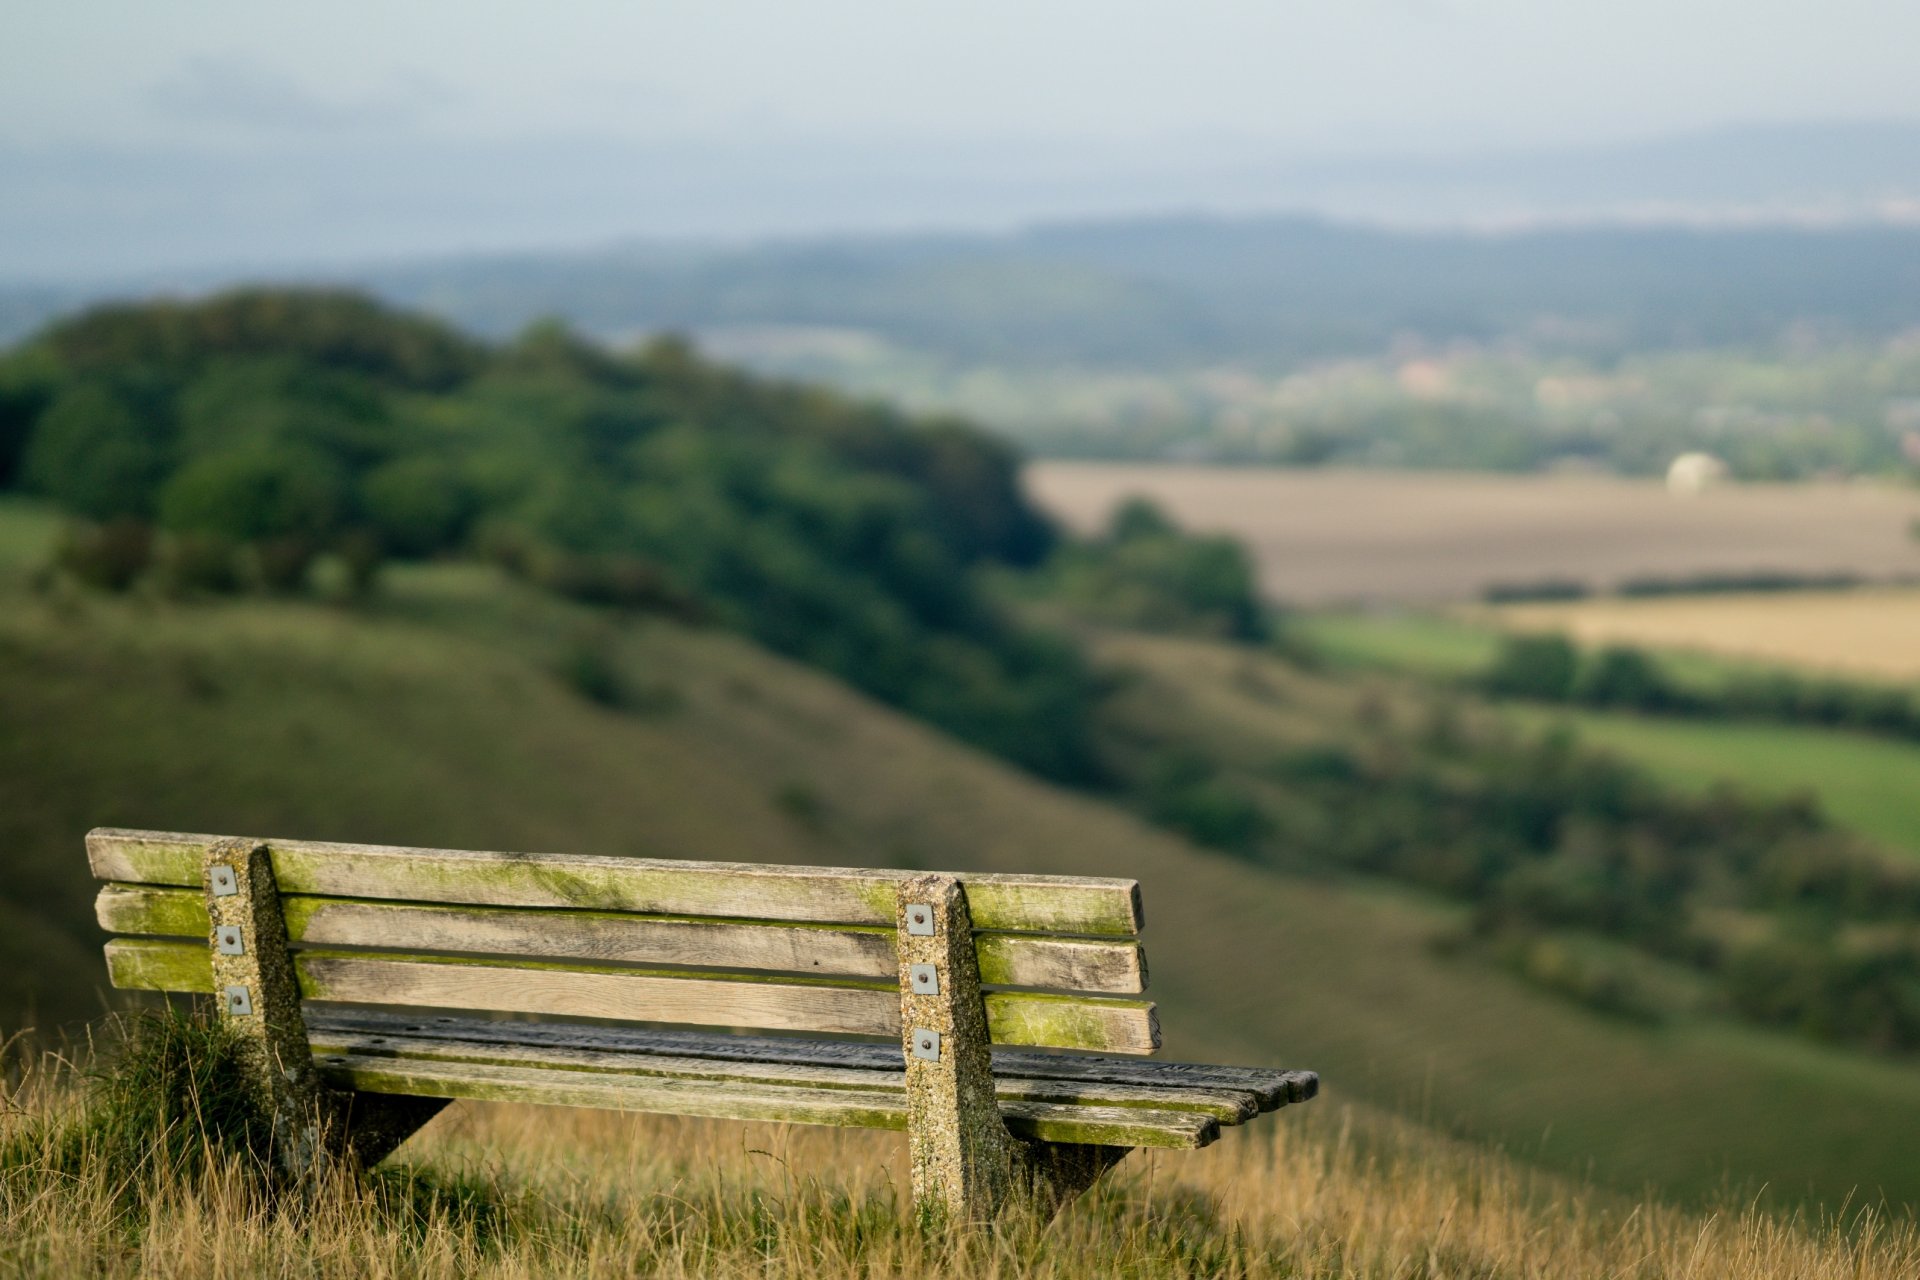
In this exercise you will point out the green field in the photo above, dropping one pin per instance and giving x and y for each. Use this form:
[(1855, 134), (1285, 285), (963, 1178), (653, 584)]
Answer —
[(1424, 644), (1869, 784), (434, 716)]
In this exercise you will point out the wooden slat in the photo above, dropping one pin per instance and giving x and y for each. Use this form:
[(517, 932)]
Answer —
[(872, 1010), (1017, 960), (1228, 1106), (728, 1000), (721, 1099), (1273, 1087), (837, 895), (1109, 1126)]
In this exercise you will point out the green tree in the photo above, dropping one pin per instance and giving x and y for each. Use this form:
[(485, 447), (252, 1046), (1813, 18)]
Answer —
[(251, 494), (284, 502), (1534, 666), (95, 454), (1623, 676), (417, 505)]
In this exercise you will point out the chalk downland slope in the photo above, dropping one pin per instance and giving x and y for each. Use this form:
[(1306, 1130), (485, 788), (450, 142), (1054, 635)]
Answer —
[(442, 713)]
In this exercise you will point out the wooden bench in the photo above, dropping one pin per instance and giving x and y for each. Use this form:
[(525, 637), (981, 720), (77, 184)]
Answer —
[(327, 959)]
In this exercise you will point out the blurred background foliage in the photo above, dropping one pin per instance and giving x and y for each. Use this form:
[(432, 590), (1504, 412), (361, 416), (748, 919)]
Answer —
[(234, 442)]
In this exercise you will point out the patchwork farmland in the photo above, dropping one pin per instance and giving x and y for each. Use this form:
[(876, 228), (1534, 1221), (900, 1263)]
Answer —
[(1347, 536)]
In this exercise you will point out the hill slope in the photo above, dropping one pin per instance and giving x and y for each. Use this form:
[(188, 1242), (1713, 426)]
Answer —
[(434, 715)]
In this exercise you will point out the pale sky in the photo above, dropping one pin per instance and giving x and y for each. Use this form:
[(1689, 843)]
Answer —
[(181, 135), (1334, 76)]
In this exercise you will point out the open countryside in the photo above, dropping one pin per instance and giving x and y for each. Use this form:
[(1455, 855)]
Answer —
[(1338, 535), (1864, 782), (1873, 633)]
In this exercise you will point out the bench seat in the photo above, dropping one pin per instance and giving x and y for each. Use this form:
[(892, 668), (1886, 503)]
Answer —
[(986, 1014), (1049, 1097)]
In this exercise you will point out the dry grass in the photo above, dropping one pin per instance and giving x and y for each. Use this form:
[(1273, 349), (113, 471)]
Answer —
[(1423, 537), (1874, 633), (503, 1191)]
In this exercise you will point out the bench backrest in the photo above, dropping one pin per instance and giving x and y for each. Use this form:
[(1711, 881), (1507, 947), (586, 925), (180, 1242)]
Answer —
[(808, 949)]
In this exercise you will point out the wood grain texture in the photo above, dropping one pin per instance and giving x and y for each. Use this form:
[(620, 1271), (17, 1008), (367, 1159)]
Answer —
[(1015, 960), (839, 1007), (1228, 1106), (1115, 1126), (839, 895), (1273, 1087)]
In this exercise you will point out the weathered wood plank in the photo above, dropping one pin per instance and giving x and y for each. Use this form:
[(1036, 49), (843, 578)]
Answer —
[(840, 895), (1273, 1087), (720, 1099), (1110, 1126), (1228, 1106), (844, 1007), (1015, 960), (152, 909), (140, 964), (634, 995)]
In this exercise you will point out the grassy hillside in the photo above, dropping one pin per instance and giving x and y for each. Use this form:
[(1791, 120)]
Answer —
[(491, 1190), (438, 712)]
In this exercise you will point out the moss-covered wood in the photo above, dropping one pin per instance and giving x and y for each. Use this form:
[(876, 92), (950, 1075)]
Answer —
[(1018, 960), (843, 895), (826, 950), (832, 1006), (1270, 1087), (733, 1100), (1228, 1106)]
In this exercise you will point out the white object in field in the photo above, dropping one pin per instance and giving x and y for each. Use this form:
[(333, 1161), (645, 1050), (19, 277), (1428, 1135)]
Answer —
[(1692, 473)]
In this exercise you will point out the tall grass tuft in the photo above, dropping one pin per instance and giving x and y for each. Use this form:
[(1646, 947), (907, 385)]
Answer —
[(161, 1106)]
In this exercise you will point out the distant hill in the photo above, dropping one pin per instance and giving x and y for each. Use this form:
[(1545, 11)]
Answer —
[(318, 205), (1267, 291)]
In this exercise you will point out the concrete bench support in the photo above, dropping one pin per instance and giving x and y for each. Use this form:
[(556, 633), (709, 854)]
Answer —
[(257, 996), (966, 1165)]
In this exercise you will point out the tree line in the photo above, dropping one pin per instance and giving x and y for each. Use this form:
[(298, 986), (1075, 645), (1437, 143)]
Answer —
[(1549, 667)]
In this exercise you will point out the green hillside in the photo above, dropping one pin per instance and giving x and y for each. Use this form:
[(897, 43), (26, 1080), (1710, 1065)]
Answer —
[(441, 711)]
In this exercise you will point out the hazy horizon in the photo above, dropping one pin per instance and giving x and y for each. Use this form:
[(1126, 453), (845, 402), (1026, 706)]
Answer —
[(142, 141)]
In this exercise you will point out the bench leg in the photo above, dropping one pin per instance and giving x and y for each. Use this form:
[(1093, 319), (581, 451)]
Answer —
[(966, 1166), (1058, 1172), (258, 997)]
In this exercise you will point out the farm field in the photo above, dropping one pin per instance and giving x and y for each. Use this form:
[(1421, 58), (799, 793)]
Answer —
[(1863, 633), (1866, 783), (435, 716), (1333, 535)]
